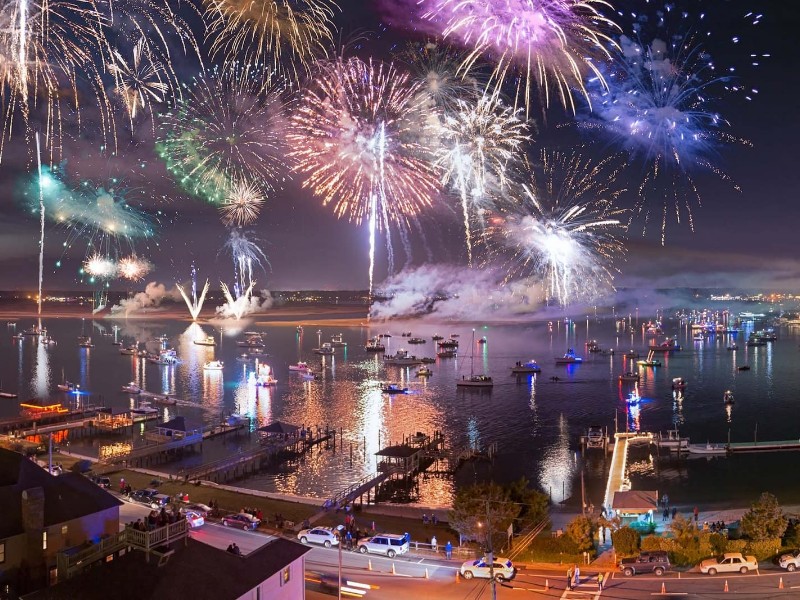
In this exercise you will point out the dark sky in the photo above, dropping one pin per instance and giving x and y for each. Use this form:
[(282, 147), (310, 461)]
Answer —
[(746, 239)]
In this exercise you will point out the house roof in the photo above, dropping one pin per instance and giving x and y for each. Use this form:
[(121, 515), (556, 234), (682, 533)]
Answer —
[(400, 451), (195, 571), (66, 497), (635, 501)]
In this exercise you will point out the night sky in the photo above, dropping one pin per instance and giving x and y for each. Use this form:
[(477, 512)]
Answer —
[(743, 240)]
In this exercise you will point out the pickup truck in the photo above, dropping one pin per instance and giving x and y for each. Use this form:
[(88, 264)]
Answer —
[(790, 561), (656, 562), (730, 562)]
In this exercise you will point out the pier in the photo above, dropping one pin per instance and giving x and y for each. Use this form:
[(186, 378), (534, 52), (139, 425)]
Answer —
[(741, 447), (617, 479)]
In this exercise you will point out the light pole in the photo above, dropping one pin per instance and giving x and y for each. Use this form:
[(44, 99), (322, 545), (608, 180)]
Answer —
[(339, 587)]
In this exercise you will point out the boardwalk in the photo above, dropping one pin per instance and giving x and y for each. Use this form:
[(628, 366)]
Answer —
[(619, 462)]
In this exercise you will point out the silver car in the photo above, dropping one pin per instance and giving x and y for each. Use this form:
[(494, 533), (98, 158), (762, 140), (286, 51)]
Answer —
[(324, 536), (503, 569), (389, 544)]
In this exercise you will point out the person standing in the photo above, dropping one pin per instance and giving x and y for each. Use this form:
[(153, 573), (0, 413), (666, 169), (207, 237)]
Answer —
[(577, 576), (665, 516), (448, 550), (434, 544), (600, 579), (674, 512), (696, 514), (570, 575)]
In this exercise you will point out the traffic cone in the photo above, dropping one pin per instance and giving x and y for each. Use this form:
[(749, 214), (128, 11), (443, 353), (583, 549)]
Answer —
[(780, 583), (546, 584), (369, 565), (458, 576), (426, 573), (663, 588), (726, 586), (395, 572)]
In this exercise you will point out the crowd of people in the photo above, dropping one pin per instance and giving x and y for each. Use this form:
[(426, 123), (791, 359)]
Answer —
[(156, 519)]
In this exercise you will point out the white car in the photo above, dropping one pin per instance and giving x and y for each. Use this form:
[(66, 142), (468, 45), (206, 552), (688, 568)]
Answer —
[(790, 561), (319, 535), (730, 562), (503, 568), (389, 544), (194, 519)]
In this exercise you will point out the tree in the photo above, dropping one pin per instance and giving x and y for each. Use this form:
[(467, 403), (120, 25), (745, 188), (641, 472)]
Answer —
[(765, 519), (626, 541), (581, 531), (684, 531), (483, 510), (533, 503)]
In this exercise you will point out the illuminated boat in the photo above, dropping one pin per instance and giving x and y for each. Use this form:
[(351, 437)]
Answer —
[(375, 345), (325, 349), (165, 357), (213, 365), (393, 388), (35, 409), (529, 367), (264, 376), (424, 372), (300, 366), (569, 358), (132, 388), (629, 376), (207, 341), (401, 358), (337, 341)]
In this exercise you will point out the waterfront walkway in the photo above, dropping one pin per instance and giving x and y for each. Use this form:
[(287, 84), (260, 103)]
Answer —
[(619, 462)]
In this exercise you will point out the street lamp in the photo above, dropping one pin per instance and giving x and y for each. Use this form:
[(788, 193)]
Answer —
[(339, 529)]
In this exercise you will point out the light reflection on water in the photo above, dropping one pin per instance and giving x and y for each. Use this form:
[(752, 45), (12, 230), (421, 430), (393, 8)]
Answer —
[(536, 422)]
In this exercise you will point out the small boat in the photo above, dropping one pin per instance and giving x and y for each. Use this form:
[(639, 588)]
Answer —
[(252, 341), (401, 358), (263, 376), (68, 386), (116, 343), (384, 335), (213, 365), (436, 337), (417, 341), (733, 347), (144, 408), (699, 337), (727, 397), (569, 358), (207, 341), (130, 350), (593, 346), (337, 341), (668, 345), (629, 376), (8, 395), (299, 329), (393, 388), (595, 437), (300, 366), (649, 361), (448, 344), (406, 334), (47, 340), (325, 349), (672, 441), (633, 398), (132, 388), (678, 383), (454, 336), (245, 357), (484, 381), (34, 331), (743, 368), (427, 360), (18, 337), (523, 368), (424, 372), (165, 358), (632, 354), (86, 343), (375, 345), (165, 400), (708, 448), (447, 354), (483, 340)]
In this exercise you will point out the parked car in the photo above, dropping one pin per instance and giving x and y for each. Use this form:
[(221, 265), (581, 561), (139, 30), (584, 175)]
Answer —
[(389, 544), (103, 482), (790, 561), (160, 501), (194, 519), (647, 562), (503, 568), (730, 562), (319, 535), (143, 496), (241, 520)]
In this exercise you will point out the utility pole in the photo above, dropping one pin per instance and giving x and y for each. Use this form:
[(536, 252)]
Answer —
[(492, 580)]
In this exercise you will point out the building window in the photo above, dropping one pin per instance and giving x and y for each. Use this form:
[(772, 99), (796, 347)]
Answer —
[(286, 575), (63, 530), (53, 576), (44, 540), (258, 593), (2, 552)]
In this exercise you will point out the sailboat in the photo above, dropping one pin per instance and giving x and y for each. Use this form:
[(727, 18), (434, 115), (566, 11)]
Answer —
[(482, 381)]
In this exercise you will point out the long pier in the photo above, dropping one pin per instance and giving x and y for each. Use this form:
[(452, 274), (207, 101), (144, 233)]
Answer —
[(741, 447), (619, 462)]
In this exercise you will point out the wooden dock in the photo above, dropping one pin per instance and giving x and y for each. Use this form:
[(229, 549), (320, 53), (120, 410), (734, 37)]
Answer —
[(742, 447), (619, 462)]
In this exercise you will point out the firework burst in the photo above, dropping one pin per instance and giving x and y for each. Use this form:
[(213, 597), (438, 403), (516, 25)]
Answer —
[(477, 141), (563, 228), (246, 257), (242, 204), (546, 44), (287, 33), (224, 131), (100, 267), (356, 146), (658, 103), (140, 82), (133, 268)]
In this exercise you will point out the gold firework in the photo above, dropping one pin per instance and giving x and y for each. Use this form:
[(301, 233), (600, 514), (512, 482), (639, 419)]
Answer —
[(242, 204)]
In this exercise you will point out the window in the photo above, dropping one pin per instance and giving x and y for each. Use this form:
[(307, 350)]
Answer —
[(44, 540), (63, 530), (286, 574), (2, 552)]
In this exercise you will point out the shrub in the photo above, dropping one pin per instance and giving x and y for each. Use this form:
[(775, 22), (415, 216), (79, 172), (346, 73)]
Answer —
[(626, 541), (657, 542), (580, 531), (736, 546), (554, 549), (765, 519), (718, 543), (763, 549), (791, 538)]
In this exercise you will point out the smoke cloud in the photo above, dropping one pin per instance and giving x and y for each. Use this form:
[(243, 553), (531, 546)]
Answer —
[(144, 302), (245, 305)]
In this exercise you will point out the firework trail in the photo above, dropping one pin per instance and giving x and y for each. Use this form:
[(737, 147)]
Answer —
[(246, 255), (41, 221), (658, 103), (477, 141), (225, 132), (288, 33), (563, 228), (355, 144), (550, 45), (195, 304)]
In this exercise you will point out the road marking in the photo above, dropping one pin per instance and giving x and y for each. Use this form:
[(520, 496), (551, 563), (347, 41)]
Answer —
[(669, 594)]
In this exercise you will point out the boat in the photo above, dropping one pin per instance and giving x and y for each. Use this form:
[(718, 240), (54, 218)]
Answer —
[(34, 331), (629, 376), (417, 341), (165, 400), (337, 341), (144, 408), (165, 357), (86, 343), (593, 346), (481, 381), (699, 337), (436, 337), (727, 397), (447, 354), (299, 329), (401, 358), (672, 440), (47, 340), (678, 383), (252, 341), (708, 448), (733, 347), (448, 344), (424, 372), (454, 335), (264, 376), (649, 361), (427, 360), (595, 437), (17, 337), (375, 345), (393, 388), (668, 345), (130, 350), (300, 366), (8, 395), (633, 398), (213, 365), (245, 357), (35, 408), (68, 386), (406, 334), (483, 340), (743, 368), (207, 341), (569, 358), (116, 343), (522, 368), (132, 388), (384, 335), (324, 349)]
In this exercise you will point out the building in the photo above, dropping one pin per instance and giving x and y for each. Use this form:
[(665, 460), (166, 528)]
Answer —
[(44, 514), (275, 571)]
